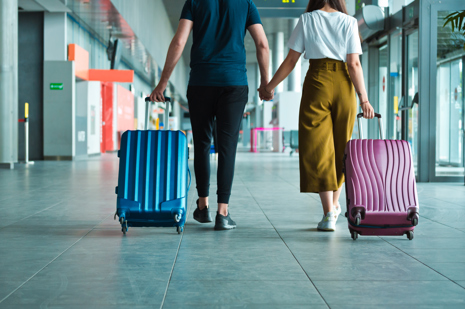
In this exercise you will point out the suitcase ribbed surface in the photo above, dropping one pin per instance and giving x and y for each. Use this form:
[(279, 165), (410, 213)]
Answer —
[(153, 168), (380, 175)]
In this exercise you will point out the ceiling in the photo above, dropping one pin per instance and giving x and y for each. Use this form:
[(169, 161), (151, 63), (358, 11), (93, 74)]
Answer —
[(102, 19), (42, 5)]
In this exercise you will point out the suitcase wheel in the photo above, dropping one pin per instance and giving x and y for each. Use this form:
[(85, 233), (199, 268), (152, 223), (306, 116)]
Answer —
[(177, 218), (354, 235), (179, 229), (357, 220), (410, 235), (124, 225)]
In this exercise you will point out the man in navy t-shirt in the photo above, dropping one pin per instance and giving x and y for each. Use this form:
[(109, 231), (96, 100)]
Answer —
[(217, 88)]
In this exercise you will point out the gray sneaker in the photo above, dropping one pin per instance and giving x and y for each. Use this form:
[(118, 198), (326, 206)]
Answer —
[(224, 223), (203, 216)]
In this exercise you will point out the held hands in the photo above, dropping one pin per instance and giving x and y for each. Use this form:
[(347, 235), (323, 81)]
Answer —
[(157, 93), (264, 93)]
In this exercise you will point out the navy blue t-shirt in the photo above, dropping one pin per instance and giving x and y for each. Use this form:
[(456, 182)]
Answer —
[(218, 52)]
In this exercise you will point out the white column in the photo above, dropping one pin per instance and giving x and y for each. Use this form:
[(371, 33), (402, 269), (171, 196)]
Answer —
[(257, 99), (9, 82), (278, 55), (350, 4), (294, 79)]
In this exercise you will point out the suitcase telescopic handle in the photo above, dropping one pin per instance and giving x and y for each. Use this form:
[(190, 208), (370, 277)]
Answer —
[(167, 99), (148, 104), (380, 122)]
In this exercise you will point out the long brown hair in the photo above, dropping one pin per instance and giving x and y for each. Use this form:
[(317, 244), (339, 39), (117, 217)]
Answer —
[(339, 5)]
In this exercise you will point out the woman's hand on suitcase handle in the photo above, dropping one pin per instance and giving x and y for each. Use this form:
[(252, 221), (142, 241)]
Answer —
[(368, 111), (157, 93)]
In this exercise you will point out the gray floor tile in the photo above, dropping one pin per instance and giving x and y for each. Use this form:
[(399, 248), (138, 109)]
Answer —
[(428, 242), (65, 291), (319, 270), (437, 256), (87, 306), (247, 306), (54, 204), (7, 286), (218, 293), (233, 270), (236, 255), (392, 293), (453, 271), (406, 306)]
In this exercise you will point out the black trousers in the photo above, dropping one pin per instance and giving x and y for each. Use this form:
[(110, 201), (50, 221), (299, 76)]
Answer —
[(227, 104)]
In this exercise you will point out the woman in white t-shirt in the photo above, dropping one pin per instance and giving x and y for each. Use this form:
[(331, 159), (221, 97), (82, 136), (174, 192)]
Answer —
[(330, 39)]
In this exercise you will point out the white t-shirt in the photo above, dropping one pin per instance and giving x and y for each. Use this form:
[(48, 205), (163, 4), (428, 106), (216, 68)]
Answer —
[(326, 35)]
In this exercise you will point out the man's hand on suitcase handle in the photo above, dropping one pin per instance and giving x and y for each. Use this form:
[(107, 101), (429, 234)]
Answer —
[(157, 94), (167, 99)]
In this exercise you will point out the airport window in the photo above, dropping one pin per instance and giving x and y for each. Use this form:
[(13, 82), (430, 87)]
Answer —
[(412, 95), (449, 100)]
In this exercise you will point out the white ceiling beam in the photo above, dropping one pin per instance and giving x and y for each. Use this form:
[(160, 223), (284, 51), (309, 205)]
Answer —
[(53, 6)]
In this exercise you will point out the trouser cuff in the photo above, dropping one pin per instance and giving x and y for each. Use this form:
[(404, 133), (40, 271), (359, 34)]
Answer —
[(203, 192), (223, 198)]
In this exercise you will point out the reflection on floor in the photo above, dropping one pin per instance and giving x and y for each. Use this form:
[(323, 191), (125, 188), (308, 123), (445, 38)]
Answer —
[(60, 247)]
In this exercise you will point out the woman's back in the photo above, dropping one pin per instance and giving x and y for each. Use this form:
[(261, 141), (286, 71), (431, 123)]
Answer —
[(323, 34)]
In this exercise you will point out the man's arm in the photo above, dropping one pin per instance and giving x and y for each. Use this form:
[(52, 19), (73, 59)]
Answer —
[(174, 54), (263, 51)]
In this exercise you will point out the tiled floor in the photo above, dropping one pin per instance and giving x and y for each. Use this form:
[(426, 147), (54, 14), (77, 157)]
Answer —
[(60, 248)]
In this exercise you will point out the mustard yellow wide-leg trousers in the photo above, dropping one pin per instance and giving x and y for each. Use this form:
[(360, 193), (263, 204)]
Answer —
[(326, 120)]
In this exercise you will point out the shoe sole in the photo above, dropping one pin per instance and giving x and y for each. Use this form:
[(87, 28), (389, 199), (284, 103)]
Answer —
[(326, 230), (224, 228), (203, 221)]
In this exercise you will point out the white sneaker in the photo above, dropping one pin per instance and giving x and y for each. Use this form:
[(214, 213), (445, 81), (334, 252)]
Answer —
[(328, 223), (337, 209)]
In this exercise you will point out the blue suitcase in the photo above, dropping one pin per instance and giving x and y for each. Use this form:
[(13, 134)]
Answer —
[(153, 179)]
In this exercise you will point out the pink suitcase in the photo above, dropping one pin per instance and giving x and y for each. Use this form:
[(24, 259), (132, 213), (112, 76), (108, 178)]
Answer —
[(380, 186)]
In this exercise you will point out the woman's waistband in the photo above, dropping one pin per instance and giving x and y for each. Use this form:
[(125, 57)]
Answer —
[(327, 64)]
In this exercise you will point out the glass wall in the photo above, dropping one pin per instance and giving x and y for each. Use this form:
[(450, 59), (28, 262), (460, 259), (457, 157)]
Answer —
[(396, 5), (395, 87), (449, 100), (382, 84), (76, 34), (355, 132), (412, 94)]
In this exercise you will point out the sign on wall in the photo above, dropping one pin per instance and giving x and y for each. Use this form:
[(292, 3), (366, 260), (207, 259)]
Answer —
[(56, 86), (281, 8), (280, 3)]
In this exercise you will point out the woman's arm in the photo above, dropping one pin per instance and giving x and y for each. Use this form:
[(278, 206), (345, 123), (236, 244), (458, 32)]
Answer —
[(356, 75), (174, 54), (284, 70)]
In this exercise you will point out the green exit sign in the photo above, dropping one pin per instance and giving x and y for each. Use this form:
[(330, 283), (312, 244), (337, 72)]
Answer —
[(56, 86)]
